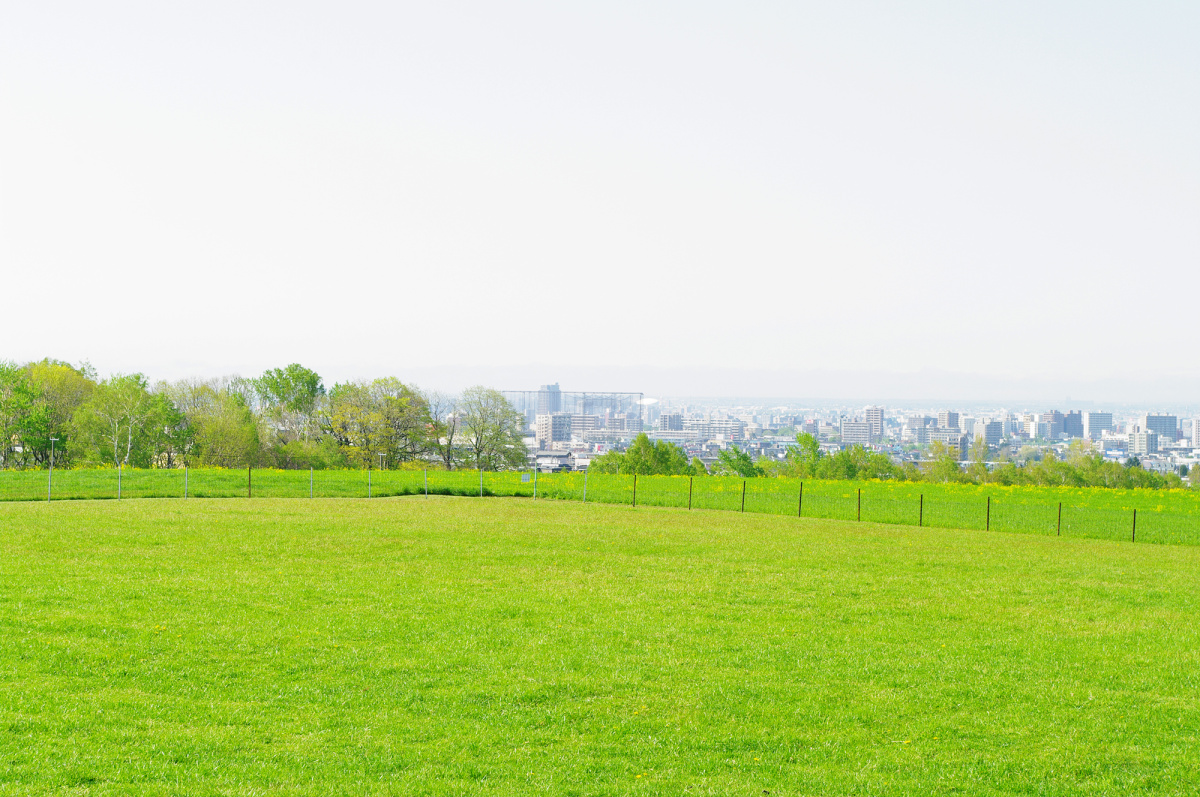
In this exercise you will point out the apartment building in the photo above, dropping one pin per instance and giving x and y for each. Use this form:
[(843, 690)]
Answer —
[(951, 437), (552, 428), (857, 433), (1165, 426), (1095, 424), (1142, 443)]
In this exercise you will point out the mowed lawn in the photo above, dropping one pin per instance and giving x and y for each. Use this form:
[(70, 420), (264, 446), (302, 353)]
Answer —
[(506, 646)]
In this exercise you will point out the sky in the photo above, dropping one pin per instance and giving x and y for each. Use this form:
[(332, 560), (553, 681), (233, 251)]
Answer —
[(926, 199)]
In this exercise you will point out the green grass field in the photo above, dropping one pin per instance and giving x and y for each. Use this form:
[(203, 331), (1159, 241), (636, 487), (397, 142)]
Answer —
[(449, 646), (1164, 516)]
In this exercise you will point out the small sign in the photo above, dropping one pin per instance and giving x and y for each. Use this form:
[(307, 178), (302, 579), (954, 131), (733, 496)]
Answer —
[(524, 477)]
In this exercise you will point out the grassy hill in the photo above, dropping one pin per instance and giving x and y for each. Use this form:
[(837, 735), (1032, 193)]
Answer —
[(450, 646)]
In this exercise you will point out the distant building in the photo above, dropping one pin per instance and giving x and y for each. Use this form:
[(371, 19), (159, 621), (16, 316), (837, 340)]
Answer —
[(624, 422), (1095, 424), (1166, 426), (947, 420), (1195, 433), (914, 429), (726, 429), (671, 422), (1073, 424), (549, 398), (951, 437), (1141, 443), (856, 433), (584, 423), (874, 416), (722, 428), (991, 431), (1054, 424), (551, 428)]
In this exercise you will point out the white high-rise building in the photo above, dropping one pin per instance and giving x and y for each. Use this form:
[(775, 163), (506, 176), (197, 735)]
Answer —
[(990, 431), (553, 427), (948, 419), (1143, 443), (856, 433), (874, 416)]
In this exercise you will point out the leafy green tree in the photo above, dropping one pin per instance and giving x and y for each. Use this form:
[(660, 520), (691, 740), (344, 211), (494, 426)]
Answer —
[(491, 430), (406, 420), (646, 458), (170, 435), (698, 468), (293, 388), (218, 427), (355, 420), (288, 399), (733, 461), (17, 397), (60, 390), (943, 463), (226, 431), (110, 426), (802, 459), (977, 471), (445, 425), (384, 417)]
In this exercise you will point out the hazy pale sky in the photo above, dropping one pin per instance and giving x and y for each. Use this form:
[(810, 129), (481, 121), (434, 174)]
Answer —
[(991, 193)]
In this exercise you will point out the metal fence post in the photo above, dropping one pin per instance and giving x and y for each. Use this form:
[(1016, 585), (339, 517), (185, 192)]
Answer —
[(690, 480), (921, 511), (743, 495), (1134, 537), (800, 503), (988, 526), (859, 504), (635, 489), (1058, 532)]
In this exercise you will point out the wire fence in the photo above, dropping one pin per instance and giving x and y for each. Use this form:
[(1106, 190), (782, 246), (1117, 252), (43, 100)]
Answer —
[(1146, 518)]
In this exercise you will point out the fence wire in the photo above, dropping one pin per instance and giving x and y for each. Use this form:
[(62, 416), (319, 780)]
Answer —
[(1173, 519)]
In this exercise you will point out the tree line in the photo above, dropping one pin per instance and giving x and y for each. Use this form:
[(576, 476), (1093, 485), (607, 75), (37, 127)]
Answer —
[(284, 418), (1081, 467)]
